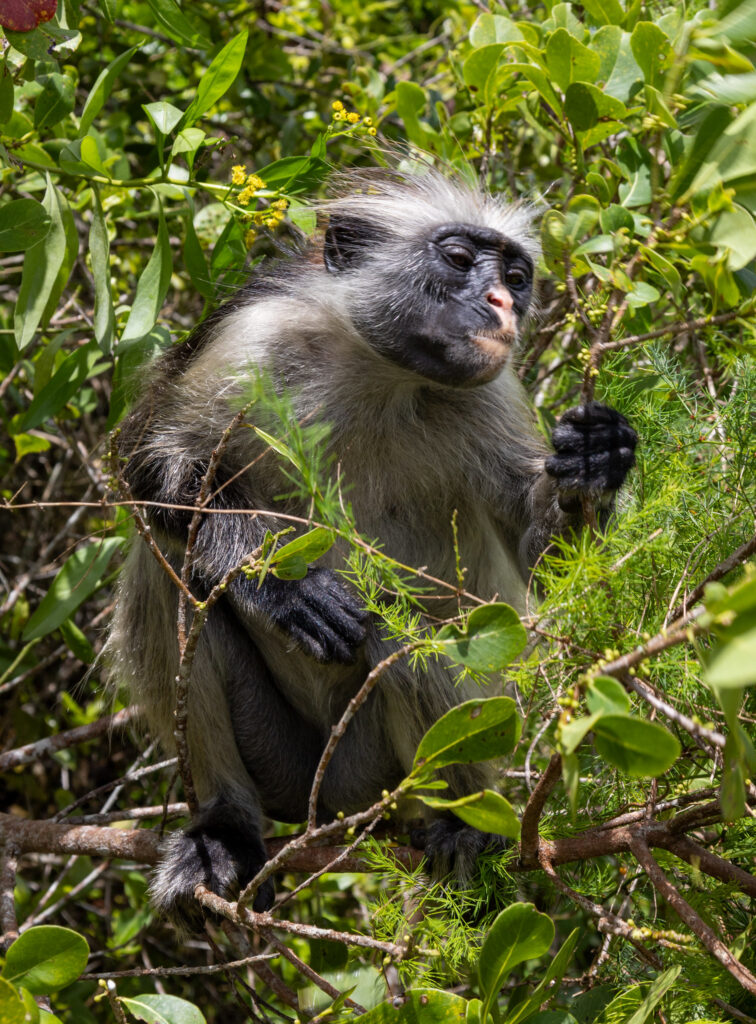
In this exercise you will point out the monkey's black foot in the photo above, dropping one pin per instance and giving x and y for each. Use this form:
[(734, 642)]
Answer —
[(452, 848), (595, 450), (319, 612), (213, 854)]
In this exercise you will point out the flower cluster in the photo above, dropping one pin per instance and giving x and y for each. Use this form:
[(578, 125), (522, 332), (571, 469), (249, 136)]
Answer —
[(253, 184), (351, 117)]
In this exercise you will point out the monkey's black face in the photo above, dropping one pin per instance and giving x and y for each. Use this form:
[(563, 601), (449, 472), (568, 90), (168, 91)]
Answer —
[(449, 308)]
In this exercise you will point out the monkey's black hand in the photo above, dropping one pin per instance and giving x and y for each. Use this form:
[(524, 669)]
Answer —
[(319, 612), (453, 848), (595, 450)]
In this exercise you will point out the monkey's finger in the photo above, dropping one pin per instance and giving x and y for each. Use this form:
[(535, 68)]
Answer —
[(568, 438), (318, 639), (597, 471), (592, 413)]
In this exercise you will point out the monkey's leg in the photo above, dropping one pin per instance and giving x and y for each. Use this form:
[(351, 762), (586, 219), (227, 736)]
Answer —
[(246, 748)]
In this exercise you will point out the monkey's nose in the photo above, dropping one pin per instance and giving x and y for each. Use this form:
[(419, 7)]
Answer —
[(500, 299)]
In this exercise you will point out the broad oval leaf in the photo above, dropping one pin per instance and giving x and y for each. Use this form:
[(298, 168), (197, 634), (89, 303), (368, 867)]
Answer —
[(734, 662), (487, 811), (45, 959), (519, 933), (431, 1006), (161, 1009), (310, 546), (474, 731), (79, 576), (12, 1009), (22, 223), (492, 637), (606, 694), (639, 748)]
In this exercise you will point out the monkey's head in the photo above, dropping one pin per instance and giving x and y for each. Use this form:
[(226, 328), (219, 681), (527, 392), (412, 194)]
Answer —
[(437, 277)]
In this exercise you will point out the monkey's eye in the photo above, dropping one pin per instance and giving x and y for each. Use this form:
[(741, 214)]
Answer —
[(458, 256), (516, 278)]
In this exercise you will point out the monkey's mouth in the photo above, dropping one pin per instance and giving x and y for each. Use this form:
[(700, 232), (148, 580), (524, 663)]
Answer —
[(495, 345)]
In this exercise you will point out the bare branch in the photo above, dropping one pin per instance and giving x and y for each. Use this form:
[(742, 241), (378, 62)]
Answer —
[(534, 809), (61, 740)]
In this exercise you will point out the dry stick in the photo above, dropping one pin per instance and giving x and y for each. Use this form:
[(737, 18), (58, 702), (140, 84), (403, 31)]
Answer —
[(534, 809), (307, 971), (261, 921), (166, 972), (350, 711), (678, 328), (697, 925), (115, 1006), (61, 740), (8, 869), (727, 565)]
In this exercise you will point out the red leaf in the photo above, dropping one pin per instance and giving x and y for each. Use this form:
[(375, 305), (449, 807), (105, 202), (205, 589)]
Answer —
[(25, 15)]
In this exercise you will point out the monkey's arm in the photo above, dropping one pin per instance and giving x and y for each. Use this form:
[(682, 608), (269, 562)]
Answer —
[(318, 612), (594, 451)]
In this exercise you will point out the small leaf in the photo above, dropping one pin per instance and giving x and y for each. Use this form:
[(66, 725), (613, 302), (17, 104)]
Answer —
[(176, 24), (56, 100), (77, 367), (519, 933), (421, 1006), (654, 995), (23, 223), (733, 663), (651, 49), (302, 550), (12, 1009), (487, 811), (550, 982), (161, 1009), (152, 287), (218, 78), (474, 731), (163, 116), (573, 733), (606, 694), (79, 577), (45, 959), (99, 251), (492, 638), (639, 748), (102, 88)]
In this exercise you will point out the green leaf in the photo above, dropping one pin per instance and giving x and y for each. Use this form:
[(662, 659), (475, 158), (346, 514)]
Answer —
[(487, 811), (77, 367), (99, 251), (573, 733), (23, 223), (12, 1009), (218, 78), (6, 95), (492, 638), (77, 642), (152, 287), (411, 101), (519, 933), (56, 100), (635, 162), (79, 577), (569, 61), (176, 24), (549, 983), (739, 26), (731, 157), (294, 173), (47, 266), (656, 992), (45, 959), (278, 446), (194, 257), (606, 694), (421, 1006), (639, 748), (619, 69), (584, 104), (494, 28), (163, 116), (732, 790), (552, 1017), (480, 66), (651, 50), (735, 232), (160, 1009), (604, 12), (102, 88), (733, 663), (474, 731), (307, 548)]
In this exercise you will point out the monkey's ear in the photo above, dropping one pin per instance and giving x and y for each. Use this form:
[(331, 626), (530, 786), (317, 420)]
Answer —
[(348, 240)]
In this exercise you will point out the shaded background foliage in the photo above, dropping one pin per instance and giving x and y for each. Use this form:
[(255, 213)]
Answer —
[(631, 128)]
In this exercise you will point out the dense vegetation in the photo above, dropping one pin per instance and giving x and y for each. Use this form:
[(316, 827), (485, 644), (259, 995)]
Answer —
[(151, 152)]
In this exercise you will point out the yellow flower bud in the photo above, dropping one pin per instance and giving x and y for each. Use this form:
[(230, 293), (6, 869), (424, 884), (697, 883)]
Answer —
[(372, 131), (238, 174), (353, 118), (337, 105)]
